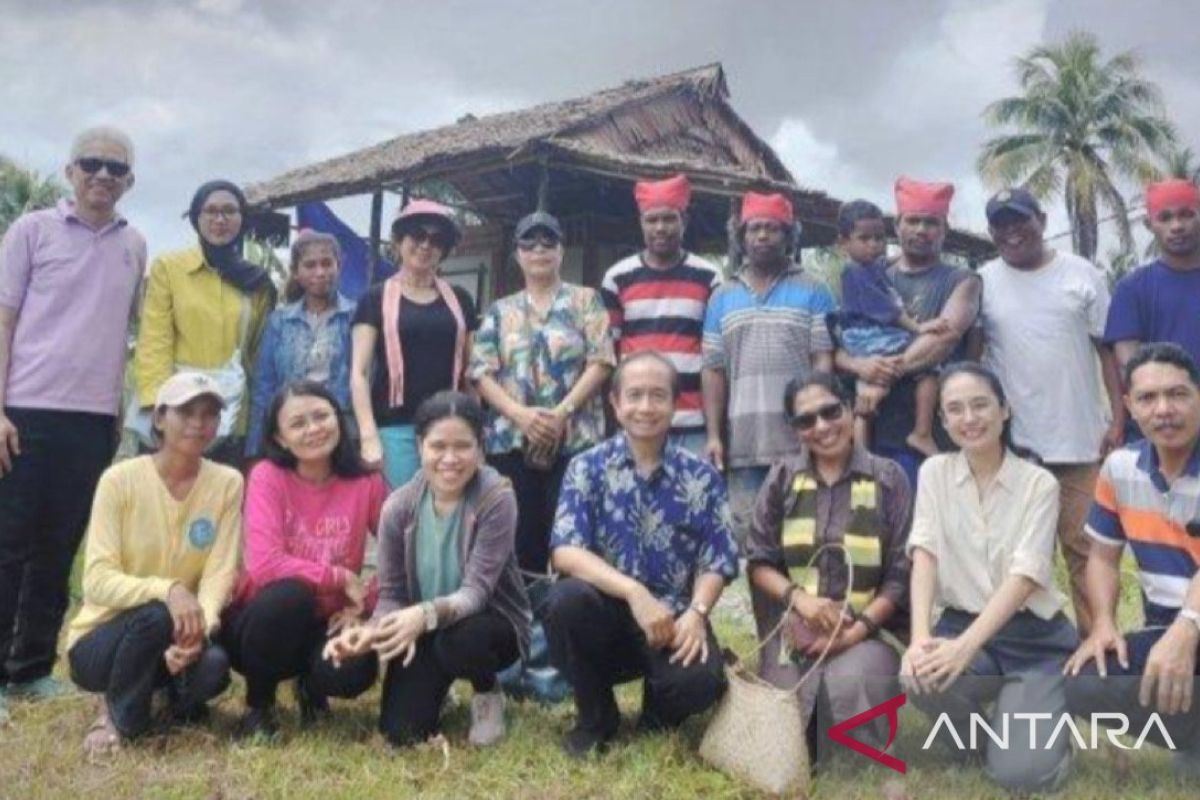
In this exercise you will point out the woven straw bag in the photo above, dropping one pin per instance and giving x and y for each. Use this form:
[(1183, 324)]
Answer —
[(758, 732)]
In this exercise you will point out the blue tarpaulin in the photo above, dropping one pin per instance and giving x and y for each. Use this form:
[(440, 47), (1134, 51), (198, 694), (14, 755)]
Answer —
[(356, 260)]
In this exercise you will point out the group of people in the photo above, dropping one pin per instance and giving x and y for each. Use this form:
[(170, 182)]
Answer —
[(475, 448)]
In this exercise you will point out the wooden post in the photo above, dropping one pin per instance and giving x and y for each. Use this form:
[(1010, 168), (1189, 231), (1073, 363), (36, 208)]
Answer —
[(733, 251), (543, 188), (376, 235)]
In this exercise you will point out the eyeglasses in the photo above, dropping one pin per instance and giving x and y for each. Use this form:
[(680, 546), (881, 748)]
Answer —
[(117, 169), (228, 212), (530, 242), (829, 413)]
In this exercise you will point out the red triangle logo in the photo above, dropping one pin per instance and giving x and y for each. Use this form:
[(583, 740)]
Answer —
[(838, 733)]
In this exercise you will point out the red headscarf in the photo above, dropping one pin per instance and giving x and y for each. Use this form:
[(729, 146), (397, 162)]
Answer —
[(918, 197), (675, 192), (767, 206), (1172, 193)]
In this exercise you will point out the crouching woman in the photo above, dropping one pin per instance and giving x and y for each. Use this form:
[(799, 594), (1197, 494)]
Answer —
[(161, 559), (451, 601)]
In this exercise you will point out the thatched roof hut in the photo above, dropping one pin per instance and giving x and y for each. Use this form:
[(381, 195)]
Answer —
[(578, 159)]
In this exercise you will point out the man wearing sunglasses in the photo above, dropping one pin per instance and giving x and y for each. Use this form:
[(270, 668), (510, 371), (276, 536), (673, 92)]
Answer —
[(657, 296), (68, 281)]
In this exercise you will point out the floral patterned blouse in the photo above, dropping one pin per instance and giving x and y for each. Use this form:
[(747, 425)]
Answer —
[(537, 359), (663, 531)]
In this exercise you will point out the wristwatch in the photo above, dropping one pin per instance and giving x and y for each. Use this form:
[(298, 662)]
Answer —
[(566, 407), (1191, 616), (699, 608)]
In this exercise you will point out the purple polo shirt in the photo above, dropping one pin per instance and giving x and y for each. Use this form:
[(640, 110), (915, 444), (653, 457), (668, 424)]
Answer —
[(73, 288)]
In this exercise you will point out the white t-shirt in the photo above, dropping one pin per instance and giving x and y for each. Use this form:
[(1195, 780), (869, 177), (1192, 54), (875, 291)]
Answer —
[(1038, 329)]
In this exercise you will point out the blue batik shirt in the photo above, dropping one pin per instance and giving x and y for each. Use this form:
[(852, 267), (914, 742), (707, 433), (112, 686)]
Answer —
[(662, 531)]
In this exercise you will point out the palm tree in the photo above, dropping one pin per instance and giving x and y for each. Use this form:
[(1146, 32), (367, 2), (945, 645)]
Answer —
[(1081, 123), (23, 190), (1182, 163)]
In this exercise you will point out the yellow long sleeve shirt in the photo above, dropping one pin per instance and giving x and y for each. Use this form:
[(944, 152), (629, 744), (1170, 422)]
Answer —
[(190, 316), (141, 541)]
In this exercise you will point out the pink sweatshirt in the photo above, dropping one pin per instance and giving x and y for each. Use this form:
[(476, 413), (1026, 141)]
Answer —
[(294, 529)]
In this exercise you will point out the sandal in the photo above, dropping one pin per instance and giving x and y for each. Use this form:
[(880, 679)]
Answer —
[(102, 738)]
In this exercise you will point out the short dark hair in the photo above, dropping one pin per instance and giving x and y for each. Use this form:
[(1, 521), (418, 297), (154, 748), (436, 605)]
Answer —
[(344, 460), (1163, 353), (446, 404), (825, 380), (791, 234), (997, 388), (850, 213), (645, 355)]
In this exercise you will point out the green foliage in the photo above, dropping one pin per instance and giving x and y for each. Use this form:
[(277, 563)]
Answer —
[(23, 190), (1080, 123)]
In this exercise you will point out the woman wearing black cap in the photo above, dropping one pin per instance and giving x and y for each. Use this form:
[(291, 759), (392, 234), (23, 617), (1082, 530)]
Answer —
[(410, 339), (204, 310), (539, 360)]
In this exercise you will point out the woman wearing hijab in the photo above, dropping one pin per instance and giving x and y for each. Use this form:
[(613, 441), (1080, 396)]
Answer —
[(204, 310)]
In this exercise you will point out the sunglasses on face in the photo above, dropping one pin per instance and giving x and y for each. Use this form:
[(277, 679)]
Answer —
[(530, 242), (117, 169), (433, 236), (808, 421)]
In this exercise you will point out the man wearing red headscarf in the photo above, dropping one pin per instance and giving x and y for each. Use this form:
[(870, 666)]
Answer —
[(1161, 301), (764, 326), (928, 288), (656, 299)]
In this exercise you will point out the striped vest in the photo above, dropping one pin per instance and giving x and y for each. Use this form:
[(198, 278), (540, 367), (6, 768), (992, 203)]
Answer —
[(861, 539)]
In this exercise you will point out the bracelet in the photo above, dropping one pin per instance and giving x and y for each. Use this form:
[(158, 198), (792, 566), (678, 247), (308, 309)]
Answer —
[(431, 618), (791, 589), (871, 625)]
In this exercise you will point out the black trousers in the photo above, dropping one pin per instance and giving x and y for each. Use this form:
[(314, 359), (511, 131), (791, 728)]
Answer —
[(597, 644), (537, 502), (123, 659), (278, 636), (474, 649), (44, 507)]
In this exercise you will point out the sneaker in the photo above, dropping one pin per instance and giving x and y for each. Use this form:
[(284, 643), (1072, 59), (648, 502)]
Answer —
[(257, 725), (312, 704), (44, 688), (487, 718)]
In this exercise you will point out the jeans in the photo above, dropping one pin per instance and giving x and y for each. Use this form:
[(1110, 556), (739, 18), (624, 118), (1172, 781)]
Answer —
[(1118, 693), (1018, 671), (123, 659), (400, 457), (744, 483), (44, 507)]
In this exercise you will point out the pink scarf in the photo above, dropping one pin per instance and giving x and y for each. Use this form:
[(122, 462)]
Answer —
[(392, 300)]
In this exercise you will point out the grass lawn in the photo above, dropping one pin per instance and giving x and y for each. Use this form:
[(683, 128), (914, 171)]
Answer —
[(40, 757)]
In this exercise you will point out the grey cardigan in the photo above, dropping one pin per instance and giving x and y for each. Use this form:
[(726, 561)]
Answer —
[(490, 577)]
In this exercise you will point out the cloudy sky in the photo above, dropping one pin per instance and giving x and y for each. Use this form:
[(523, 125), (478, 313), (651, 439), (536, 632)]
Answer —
[(850, 94)]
